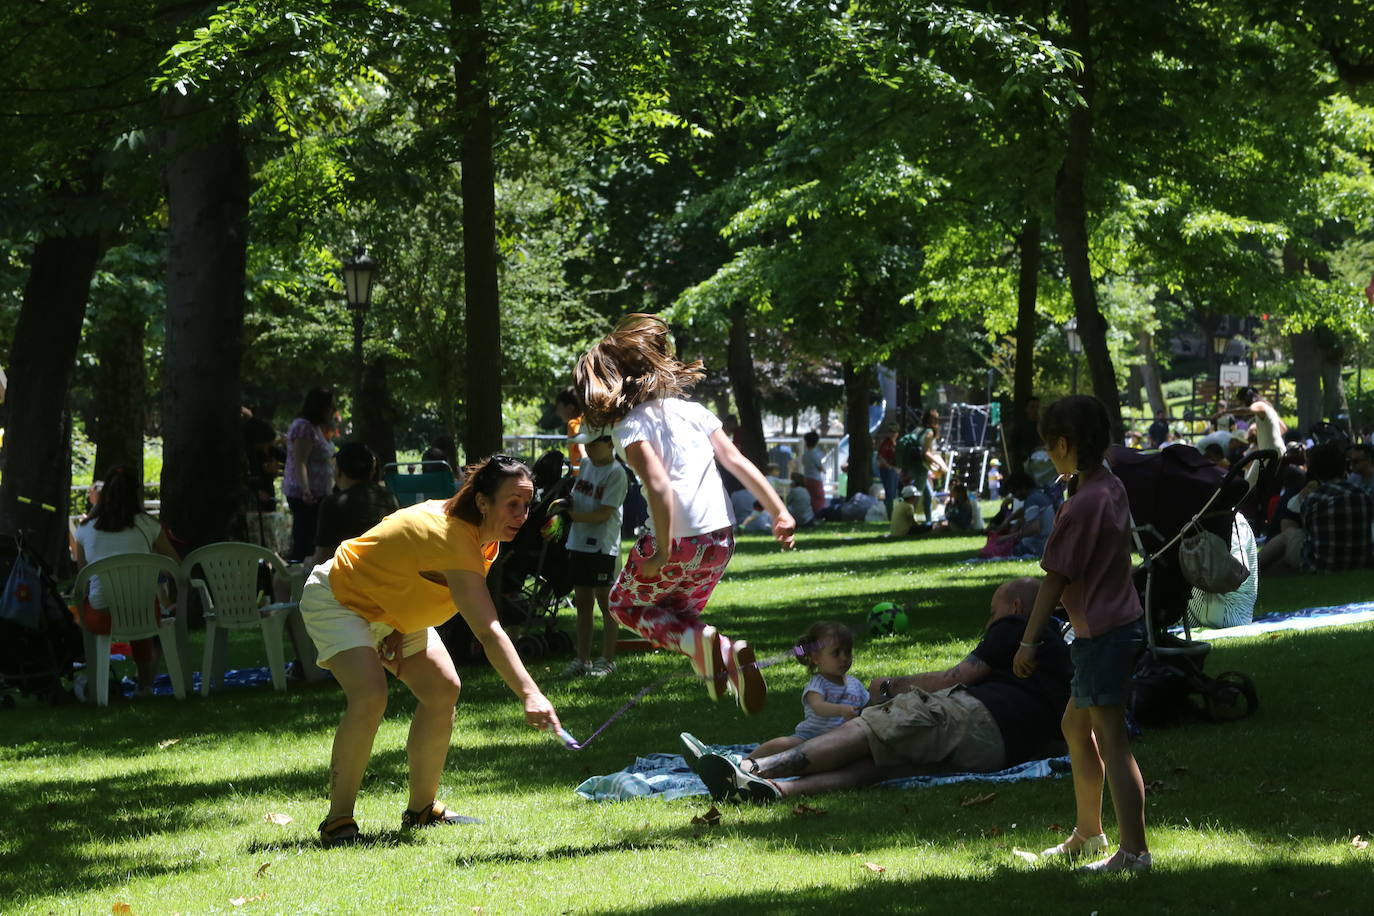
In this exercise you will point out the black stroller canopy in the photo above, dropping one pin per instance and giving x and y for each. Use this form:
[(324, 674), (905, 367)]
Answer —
[(1168, 487)]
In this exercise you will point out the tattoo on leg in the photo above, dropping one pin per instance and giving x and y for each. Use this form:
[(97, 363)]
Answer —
[(791, 762)]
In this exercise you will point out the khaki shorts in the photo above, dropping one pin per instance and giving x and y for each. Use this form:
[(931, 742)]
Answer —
[(1293, 541), (334, 628), (945, 730)]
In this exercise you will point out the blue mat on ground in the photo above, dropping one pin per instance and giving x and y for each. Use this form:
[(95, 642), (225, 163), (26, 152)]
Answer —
[(1306, 619), (667, 776), (234, 677)]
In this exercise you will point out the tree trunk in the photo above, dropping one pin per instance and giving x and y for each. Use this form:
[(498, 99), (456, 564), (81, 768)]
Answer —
[(376, 415), (1149, 372), (121, 378), (1331, 359), (42, 357), (482, 426), (1023, 378), (858, 382), (740, 366), (1306, 372), (1071, 222), (207, 246)]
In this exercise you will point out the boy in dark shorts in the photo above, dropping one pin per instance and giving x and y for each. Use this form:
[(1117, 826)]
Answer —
[(594, 508)]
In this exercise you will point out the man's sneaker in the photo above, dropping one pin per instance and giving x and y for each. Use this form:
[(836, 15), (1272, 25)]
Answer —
[(708, 661), (576, 668), (724, 779), (601, 667), (750, 688), (718, 773), (692, 749), (1121, 860)]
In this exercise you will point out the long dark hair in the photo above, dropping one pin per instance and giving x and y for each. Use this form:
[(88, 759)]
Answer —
[(632, 364), (121, 499), (1082, 420), (318, 405), (484, 477)]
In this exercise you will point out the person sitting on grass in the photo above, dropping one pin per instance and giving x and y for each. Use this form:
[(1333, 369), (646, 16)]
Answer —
[(1336, 516), (903, 521), (962, 512), (798, 502), (832, 697), (973, 717)]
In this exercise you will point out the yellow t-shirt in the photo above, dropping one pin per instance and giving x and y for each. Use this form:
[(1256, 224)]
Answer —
[(378, 574)]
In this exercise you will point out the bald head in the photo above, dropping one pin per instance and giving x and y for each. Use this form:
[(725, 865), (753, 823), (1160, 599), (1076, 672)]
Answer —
[(1014, 597)]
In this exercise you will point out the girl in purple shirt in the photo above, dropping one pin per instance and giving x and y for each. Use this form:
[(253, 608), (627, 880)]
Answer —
[(1087, 565)]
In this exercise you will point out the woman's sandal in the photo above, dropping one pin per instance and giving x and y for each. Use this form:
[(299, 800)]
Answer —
[(435, 813), (338, 831), (1087, 846)]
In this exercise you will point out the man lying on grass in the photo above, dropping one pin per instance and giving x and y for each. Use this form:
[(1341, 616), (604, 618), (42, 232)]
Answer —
[(974, 717)]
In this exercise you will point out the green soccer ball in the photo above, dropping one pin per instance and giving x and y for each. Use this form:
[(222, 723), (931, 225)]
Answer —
[(886, 618)]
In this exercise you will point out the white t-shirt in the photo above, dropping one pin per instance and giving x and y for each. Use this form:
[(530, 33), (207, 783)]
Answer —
[(97, 545), (679, 432), (596, 487)]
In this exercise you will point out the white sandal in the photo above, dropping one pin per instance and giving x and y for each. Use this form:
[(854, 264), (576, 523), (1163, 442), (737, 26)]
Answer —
[(1089, 845)]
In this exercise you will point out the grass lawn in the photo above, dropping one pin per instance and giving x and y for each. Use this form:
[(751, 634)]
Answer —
[(103, 809)]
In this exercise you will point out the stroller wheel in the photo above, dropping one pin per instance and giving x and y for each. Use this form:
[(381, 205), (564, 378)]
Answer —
[(560, 643), (1230, 695), (529, 648)]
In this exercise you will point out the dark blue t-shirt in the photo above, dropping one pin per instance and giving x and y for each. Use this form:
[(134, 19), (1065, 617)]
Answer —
[(1027, 710)]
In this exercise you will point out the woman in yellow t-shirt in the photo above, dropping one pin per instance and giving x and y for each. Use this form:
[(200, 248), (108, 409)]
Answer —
[(373, 607)]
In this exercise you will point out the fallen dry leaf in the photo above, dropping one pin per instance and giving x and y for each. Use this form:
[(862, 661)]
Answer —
[(804, 810), (876, 869), (262, 870), (280, 820), (1359, 842), (121, 908), (711, 818), (1056, 828), (168, 743), (1024, 856), (1156, 786), (977, 800), (992, 831), (240, 901)]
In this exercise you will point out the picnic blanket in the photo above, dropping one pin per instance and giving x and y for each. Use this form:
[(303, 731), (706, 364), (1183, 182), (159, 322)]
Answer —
[(667, 776), (1305, 619)]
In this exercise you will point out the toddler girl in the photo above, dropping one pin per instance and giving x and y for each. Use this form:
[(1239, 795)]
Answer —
[(833, 695), (1087, 564), (633, 381)]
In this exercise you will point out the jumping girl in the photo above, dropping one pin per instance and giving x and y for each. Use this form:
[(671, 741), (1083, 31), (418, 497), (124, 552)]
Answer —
[(1087, 564), (632, 380)]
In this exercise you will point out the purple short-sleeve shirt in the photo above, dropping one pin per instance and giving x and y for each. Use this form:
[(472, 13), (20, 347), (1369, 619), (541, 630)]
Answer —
[(1091, 547)]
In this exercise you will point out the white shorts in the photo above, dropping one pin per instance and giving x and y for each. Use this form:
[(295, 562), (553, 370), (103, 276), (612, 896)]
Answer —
[(334, 628)]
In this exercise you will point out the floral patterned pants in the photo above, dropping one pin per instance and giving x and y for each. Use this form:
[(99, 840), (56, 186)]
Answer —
[(667, 610)]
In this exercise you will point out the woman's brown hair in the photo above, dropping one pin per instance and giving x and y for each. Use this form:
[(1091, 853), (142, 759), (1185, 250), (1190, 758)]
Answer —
[(632, 364), (1082, 420), (484, 477)]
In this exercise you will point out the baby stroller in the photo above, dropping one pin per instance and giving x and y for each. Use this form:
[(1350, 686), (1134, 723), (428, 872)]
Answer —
[(528, 583), (39, 643), (1169, 490)]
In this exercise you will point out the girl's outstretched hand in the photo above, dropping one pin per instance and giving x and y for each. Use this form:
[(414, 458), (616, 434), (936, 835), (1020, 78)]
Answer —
[(784, 530)]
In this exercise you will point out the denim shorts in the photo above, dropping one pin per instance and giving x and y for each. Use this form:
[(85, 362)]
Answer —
[(1102, 665)]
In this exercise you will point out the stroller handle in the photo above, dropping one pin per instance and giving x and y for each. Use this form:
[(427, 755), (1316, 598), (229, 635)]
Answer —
[(1265, 455)]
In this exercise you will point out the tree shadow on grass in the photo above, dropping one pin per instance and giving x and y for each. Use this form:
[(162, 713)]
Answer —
[(1009, 889)]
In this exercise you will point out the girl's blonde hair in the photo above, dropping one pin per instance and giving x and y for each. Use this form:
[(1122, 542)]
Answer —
[(820, 635), (632, 364)]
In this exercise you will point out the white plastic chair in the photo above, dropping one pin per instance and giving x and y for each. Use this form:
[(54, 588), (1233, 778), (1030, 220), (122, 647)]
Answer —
[(128, 582), (226, 577)]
